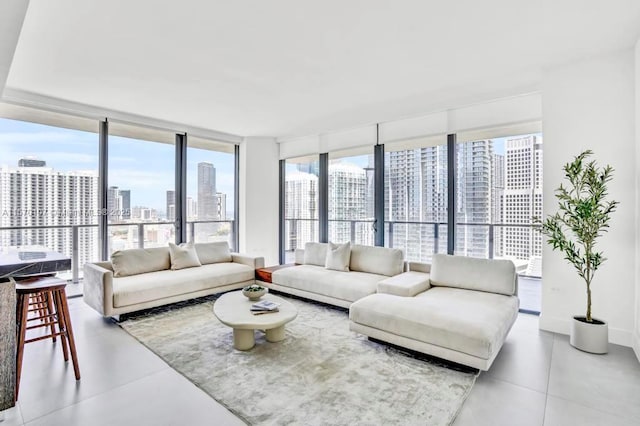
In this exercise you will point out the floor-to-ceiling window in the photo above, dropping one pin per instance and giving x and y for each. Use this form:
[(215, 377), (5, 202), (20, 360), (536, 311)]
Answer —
[(496, 176), (141, 187), (415, 193), (210, 197), (49, 185), (351, 196), (300, 204), (499, 193)]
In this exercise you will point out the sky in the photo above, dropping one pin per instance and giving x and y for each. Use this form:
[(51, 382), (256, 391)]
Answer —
[(145, 168)]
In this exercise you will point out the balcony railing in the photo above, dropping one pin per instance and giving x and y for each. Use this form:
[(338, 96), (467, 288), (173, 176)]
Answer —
[(419, 239), (358, 231), (205, 231), (82, 247)]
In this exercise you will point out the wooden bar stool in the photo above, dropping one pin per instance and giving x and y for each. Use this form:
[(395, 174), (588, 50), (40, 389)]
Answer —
[(42, 303), (45, 299)]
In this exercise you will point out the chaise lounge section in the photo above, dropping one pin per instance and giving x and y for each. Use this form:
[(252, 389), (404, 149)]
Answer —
[(460, 309)]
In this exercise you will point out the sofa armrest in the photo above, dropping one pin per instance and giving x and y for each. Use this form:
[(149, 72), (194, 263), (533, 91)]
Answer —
[(253, 261), (299, 256), (407, 284), (419, 267), (97, 288)]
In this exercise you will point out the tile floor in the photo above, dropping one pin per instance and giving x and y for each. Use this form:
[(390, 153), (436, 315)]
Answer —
[(538, 379)]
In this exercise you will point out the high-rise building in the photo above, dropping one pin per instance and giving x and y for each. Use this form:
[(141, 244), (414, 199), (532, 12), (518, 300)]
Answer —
[(301, 209), (474, 198), (125, 194), (31, 162), (40, 196), (497, 203), (207, 208), (522, 196), (491, 189), (416, 191), (221, 205), (114, 204), (371, 188), (171, 206), (347, 202), (192, 209), (141, 213)]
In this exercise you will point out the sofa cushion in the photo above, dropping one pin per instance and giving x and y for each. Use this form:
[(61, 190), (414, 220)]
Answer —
[(407, 284), (338, 256), (183, 256), (161, 284), (140, 261), (472, 322), (347, 286), (315, 254), (492, 275), (213, 252), (376, 260)]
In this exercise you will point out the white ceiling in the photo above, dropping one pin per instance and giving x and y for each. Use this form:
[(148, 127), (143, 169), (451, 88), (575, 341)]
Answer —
[(290, 67), (12, 13)]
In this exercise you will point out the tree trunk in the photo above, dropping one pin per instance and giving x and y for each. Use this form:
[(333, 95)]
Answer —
[(588, 303)]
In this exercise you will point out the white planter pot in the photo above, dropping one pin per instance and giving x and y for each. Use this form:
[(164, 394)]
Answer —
[(590, 337)]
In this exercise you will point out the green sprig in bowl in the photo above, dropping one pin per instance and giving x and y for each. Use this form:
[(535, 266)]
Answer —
[(254, 291)]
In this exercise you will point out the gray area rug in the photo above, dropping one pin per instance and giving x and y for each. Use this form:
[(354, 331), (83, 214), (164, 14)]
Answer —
[(321, 374)]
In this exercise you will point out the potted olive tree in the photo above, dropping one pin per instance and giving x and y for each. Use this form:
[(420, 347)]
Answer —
[(583, 215)]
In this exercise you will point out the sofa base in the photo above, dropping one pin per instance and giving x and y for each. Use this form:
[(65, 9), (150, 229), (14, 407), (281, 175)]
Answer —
[(307, 295), (426, 348), (117, 311)]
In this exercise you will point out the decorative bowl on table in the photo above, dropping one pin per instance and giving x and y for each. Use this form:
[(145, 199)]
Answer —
[(254, 291)]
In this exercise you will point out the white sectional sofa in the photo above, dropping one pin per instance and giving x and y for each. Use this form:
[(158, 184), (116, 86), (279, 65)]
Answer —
[(460, 309), (310, 279), (142, 278)]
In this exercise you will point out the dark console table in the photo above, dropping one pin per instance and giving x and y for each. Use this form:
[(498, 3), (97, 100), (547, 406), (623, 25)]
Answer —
[(18, 262)]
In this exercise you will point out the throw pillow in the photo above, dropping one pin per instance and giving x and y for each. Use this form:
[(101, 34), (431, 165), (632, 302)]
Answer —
[(140, 261), (213, 252), (338, 257), (183, 256), (315, 254)]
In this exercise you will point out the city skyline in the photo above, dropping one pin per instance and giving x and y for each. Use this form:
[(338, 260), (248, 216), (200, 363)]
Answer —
[(499, 181), (418, 195), (137, 165)]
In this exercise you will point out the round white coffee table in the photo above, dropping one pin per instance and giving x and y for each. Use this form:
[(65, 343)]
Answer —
[(233, 309)]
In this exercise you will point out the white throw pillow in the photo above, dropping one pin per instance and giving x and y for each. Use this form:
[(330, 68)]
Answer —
[(338, 257), (213, 252), (315, 254), (140, 261), (183, 256)]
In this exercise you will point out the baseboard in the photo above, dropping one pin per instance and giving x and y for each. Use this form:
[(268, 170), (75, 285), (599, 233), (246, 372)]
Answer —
[(636, 345), (617, 336), (554, 325)]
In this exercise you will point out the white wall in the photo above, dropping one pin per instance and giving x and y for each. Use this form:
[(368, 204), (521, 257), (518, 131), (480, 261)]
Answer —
[(259, 180), (591, 104), (636, 335)]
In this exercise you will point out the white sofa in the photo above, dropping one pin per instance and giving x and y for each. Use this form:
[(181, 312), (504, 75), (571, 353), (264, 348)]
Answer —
[(310, 279), (142, 278), (460, 309)]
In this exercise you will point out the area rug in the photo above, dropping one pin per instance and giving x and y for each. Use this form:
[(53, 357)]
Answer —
[(321, 374)]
